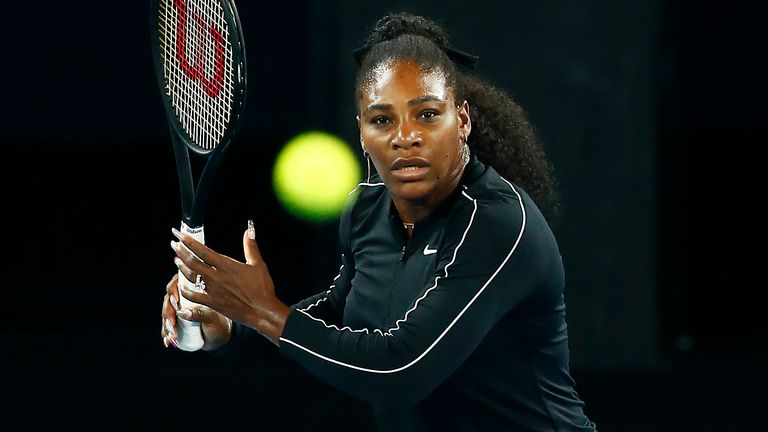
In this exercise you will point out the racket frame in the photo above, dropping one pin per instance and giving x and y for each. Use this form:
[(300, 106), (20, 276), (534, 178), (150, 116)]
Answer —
[(194, 199)]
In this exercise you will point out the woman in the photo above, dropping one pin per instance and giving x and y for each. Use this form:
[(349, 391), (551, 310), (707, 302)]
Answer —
[(448, 309)]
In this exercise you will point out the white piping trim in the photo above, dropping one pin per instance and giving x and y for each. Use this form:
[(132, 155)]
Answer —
[(364, 184), (437, 278), (517, 242), (333, 326), (327, 291), (319, 301)]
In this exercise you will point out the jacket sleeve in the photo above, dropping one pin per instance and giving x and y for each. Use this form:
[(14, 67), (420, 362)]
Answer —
[(488, 263)]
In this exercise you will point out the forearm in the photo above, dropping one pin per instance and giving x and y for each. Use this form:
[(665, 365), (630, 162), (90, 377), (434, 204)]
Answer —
[(269, 322)]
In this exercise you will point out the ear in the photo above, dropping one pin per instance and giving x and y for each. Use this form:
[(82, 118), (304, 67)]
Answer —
[(465, 122)]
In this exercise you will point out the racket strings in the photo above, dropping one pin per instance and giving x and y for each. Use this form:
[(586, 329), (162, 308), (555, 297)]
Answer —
[(198, 66)]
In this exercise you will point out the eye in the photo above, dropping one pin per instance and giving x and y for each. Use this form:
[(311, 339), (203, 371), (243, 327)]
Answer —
[(429, 114), (380, 120)]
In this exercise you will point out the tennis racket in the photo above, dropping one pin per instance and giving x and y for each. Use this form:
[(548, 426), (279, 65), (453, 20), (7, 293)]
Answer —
[(199, 58)]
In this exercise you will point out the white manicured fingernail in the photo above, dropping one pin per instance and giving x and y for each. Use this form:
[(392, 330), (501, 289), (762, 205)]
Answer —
[(174, 303), (176, 233)]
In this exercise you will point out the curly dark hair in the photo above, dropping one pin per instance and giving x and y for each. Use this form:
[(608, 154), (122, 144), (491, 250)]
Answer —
[(502, 136)]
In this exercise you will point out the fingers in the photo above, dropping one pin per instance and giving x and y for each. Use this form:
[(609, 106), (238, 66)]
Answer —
[(171, 287), (250, 247), (170, 306), (204, 253), (168, 327), (168, 313), (189, 264), (199, 314), (196, 297), (163, 330)]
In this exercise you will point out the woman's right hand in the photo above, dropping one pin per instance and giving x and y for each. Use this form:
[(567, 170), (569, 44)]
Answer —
[(216, 328)]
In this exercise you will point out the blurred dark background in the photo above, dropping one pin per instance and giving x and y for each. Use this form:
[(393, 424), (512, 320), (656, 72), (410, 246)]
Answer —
[(653, 116)]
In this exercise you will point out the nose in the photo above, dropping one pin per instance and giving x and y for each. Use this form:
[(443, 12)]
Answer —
[(406, 136)]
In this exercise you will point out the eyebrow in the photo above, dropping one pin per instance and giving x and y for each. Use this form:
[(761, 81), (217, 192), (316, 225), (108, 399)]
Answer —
[(426, 98), (418, 100)]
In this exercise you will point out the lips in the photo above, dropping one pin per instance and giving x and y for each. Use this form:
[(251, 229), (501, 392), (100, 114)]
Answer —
[(408, 163), (410, 169)]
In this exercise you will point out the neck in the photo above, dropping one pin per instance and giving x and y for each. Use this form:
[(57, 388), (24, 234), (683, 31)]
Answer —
[(411, 212)]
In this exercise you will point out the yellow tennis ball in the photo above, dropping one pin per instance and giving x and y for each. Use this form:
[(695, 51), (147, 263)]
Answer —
[(314, 174)]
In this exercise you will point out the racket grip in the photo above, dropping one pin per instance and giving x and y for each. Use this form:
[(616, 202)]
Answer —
[(190, 335)]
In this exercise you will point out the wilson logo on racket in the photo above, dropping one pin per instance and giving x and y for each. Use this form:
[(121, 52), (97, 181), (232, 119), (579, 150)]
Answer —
[(206, 33)]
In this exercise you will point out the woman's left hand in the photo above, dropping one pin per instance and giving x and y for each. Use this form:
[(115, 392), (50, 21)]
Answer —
[(244, 292)]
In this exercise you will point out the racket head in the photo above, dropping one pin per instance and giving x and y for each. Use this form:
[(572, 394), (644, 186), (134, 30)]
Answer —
[(198, 53)]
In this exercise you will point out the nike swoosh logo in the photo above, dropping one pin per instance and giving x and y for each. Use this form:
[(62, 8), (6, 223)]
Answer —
[(428, 251)]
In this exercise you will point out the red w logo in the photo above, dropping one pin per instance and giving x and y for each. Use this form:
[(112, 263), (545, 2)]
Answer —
[(204, 30)]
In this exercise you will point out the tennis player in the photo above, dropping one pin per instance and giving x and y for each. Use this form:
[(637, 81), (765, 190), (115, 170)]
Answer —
[(448, 311)]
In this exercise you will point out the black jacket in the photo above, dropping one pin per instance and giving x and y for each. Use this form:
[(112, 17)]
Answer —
[(460, 327)]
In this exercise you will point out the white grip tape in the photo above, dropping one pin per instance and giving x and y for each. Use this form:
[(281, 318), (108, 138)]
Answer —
[(190, 336)]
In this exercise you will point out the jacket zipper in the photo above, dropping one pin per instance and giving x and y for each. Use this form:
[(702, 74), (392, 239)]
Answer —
[(394, 279)]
